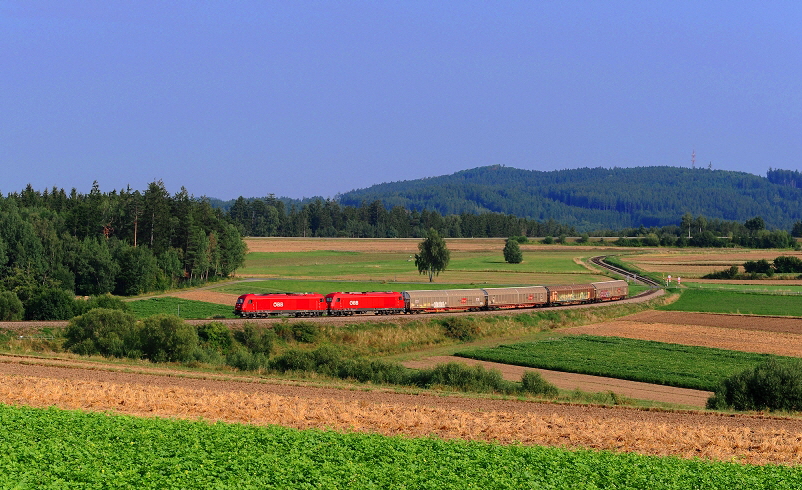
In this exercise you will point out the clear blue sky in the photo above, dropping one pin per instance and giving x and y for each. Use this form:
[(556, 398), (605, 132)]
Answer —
[(299, 98)]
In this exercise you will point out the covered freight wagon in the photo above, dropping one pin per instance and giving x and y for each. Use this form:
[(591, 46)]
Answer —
[(381, 303), (445, 300), (611, 290), (523, 297), (273, 304), (573, 293)]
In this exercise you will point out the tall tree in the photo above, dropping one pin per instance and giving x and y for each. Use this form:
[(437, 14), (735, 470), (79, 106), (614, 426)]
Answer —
[(434, 255), (512, 252)]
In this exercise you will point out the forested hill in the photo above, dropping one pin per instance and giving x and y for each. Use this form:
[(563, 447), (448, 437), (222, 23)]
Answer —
[(597, 198)]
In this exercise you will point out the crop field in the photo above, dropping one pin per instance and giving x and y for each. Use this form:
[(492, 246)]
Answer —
[(53, 448), (472, 261), (689, 263), (683, 366), (767, 335), (185, 308), (716, 301)]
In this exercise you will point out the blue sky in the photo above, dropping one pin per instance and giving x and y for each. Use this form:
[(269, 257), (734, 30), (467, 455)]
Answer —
[(301, 98)]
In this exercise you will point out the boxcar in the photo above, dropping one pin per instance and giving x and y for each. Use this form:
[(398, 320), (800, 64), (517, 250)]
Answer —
[(611, 290), (523, 297), (445, 300), (381, 303), (573, 293), (273, 304)]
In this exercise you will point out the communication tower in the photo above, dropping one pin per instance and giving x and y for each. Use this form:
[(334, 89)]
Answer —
[(693, 158)]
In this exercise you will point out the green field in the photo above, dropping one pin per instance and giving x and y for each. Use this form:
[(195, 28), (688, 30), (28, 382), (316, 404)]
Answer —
[(464, 267), (51, 448), (700, 368), (184, 308), (713, 301)]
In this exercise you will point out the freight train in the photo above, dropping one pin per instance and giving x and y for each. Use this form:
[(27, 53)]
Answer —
[(426, 301)]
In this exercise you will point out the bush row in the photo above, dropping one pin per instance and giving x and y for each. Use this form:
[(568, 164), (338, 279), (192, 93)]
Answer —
[(328, 361), (772, 385)]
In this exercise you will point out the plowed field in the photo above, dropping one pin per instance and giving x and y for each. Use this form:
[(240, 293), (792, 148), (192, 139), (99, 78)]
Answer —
[(752, 439)]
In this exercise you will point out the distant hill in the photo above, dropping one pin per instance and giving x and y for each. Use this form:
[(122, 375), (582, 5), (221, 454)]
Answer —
[(599, 198)]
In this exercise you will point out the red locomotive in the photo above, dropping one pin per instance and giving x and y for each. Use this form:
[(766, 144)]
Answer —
[(380, 303), (272, 304)]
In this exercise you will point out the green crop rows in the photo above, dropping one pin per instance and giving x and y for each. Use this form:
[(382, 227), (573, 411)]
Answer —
[(700, 368), (710, 301), (50, 448), (185, 308)]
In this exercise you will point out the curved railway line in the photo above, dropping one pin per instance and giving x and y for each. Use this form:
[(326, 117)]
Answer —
[(655, 290)]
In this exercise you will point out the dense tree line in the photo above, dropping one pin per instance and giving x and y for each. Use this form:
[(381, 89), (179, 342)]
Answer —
[(125, 242), (271, 216), (599, 198)]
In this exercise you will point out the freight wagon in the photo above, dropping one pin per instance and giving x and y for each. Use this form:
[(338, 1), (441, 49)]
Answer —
[(610, 290), (380, 303), (444, 300), (524, 297)]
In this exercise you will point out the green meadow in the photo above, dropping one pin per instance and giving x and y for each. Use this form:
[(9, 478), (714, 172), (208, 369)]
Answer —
[(540, 267), (735, 302), (684, 366)]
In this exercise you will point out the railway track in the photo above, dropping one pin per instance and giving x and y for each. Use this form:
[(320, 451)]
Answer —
[(655, 289), (599, 261)]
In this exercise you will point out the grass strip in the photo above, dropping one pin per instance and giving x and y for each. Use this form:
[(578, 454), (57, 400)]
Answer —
[(712, 301), (52, 448), (683, 366), (184, 308)]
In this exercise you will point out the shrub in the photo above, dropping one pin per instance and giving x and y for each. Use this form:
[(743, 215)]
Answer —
[(761, 266), (168, 338), (548, 240), (460, 328), (305, 332), (256, 340), (785, 264), (773, 385), (730, 273), (216, 335), (106, 301), (465, 378), (533, 383), (244, 360), (512, 252), (50, 304), (105, 332), (10, 307), (293, 360)]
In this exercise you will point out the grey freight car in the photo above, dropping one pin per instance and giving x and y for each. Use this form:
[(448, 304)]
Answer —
[(572, 293), (445, 300), (611, 290), (523, 297)]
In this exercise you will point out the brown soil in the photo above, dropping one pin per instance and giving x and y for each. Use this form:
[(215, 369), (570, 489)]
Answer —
[(767, 335), (750, 439), (590, 384), (396, 245), (207, 296)]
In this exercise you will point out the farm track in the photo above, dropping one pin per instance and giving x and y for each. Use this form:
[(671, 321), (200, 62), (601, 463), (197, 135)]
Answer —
[(185, 394)]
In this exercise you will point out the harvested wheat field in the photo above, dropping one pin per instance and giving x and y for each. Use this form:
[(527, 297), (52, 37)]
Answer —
[(748, 439), (397, 245), (207, 296), (766, 335), (683, 263)]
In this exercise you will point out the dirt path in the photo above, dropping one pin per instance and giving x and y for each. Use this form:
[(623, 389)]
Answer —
[(591, 384), (751, 439)]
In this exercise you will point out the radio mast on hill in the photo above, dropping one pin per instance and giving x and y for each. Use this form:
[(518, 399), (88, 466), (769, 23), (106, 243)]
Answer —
[(693, 158)]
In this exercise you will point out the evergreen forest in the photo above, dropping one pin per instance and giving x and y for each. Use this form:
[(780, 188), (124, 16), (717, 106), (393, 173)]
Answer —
[(589, 199), (126, 243)]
